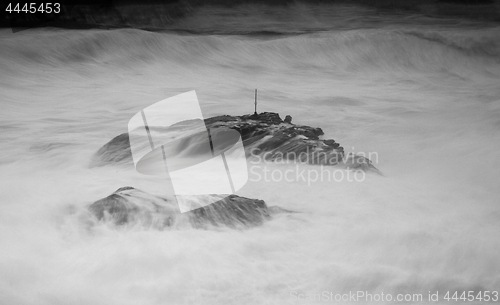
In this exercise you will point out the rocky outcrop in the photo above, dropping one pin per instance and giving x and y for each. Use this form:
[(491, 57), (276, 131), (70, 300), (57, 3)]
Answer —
[(115, 151), (264, 135), (130, 206)]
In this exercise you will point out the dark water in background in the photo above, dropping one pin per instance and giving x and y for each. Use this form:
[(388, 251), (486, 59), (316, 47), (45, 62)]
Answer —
[(421, 93)]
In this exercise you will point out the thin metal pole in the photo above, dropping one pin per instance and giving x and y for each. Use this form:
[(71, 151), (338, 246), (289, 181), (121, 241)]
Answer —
[(255, 102)]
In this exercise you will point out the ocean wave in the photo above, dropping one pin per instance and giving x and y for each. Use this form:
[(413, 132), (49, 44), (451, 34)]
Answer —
[(353, 50)]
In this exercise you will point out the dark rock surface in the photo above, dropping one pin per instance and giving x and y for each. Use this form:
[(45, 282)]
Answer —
[(115, 151), (131, 206), (264, 134)]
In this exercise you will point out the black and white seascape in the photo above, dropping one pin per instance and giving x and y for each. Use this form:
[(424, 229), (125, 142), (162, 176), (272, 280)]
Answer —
[(408, 100)]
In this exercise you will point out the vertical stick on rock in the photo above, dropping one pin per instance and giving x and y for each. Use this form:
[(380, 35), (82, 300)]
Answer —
[(255, 112)]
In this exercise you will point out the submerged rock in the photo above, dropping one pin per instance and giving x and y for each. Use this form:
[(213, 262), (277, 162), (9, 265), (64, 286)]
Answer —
[(265, 135), (128, 205), (115, 151)]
